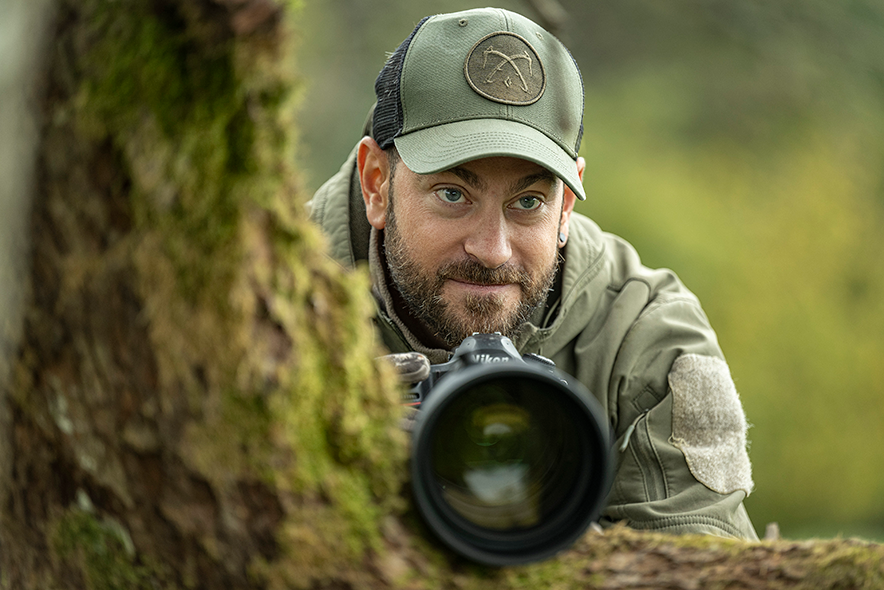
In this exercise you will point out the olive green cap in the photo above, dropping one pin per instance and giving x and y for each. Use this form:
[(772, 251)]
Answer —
[(480, 83)]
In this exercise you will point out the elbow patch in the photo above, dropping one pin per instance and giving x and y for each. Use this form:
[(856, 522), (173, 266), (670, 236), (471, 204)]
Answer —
[(708, 423)]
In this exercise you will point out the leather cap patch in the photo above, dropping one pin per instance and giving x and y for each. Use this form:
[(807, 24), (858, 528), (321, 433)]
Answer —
[(503, 67)]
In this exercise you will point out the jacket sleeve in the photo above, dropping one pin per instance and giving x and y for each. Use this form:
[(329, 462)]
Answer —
[(679, 427)]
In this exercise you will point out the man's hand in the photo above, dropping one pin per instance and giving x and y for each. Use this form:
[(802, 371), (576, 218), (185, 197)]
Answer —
[(412, 367)]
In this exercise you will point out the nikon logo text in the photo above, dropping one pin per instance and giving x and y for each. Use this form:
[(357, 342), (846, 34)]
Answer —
[(489, 358)]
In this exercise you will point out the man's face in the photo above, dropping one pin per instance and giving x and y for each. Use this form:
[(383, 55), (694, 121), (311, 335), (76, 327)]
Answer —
[(474, 248)]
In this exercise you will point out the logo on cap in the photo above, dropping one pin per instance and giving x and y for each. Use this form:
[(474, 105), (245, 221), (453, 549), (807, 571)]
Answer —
[(503, 67)]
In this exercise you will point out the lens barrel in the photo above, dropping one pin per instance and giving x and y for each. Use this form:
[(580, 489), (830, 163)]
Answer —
[(511, 461)]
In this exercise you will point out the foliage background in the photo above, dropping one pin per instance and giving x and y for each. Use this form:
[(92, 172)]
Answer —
[(741, 143)]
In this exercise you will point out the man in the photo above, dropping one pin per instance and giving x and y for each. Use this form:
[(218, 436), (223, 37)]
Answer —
[(460, 198)]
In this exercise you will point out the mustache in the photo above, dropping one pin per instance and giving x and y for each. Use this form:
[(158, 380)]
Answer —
[(470, 271)]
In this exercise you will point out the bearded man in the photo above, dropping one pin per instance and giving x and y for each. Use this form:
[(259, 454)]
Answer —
[(460, 198)]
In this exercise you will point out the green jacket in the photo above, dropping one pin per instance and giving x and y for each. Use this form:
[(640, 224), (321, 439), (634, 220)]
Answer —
[(639, 341)]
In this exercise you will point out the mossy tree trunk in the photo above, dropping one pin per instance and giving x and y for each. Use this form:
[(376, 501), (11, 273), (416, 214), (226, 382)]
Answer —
[(192, 400)]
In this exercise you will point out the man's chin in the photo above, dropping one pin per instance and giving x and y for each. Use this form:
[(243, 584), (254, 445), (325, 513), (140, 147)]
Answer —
[(464, 324)]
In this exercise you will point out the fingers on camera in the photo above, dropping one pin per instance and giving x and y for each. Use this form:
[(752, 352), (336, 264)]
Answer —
[(411, 366)]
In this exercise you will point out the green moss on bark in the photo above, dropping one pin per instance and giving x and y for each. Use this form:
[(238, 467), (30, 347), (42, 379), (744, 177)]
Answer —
[(846, 564), (99, 551), (267, 340)]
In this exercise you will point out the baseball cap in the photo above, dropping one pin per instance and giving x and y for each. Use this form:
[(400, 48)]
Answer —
[(480, 83)]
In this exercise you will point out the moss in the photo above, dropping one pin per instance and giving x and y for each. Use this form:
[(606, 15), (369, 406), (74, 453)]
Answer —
[(553, 575), (97, 549), (846, 564), (335, 409), (226, 255), (165, 95)]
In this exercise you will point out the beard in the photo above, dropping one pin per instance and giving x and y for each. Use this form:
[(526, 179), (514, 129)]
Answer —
[(421, 289)]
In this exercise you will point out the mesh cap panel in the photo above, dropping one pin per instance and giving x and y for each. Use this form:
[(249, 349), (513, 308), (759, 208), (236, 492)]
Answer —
[(387, 122)]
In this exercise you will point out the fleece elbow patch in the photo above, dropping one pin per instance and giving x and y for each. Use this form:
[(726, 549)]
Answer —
[(708, 423)]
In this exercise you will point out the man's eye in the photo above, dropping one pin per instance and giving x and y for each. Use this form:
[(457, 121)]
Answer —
[(450, 195), (528, 203)]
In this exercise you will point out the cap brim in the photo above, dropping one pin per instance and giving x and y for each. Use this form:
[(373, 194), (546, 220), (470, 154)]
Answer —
[(433, 149)]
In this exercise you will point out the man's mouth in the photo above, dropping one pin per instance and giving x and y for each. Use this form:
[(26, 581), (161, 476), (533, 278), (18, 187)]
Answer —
[(472, 279), (478, 283), (483, 287)]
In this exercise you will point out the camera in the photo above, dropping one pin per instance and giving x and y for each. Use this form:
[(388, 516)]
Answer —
[(511, 457)]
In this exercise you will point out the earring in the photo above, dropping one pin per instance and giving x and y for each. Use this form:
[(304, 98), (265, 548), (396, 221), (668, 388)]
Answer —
[(562, 238)]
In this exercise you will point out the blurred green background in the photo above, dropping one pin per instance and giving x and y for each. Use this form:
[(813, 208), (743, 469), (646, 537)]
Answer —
[(740, 143)]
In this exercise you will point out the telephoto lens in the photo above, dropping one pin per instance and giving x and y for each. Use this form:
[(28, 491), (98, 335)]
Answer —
[(511, 457)]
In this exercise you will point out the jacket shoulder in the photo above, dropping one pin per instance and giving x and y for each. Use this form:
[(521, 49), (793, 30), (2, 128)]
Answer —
[(619, 262), (332, 208)]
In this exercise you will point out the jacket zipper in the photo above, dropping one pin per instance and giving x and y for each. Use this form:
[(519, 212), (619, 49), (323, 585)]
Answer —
[(647, 458), (630, 430)]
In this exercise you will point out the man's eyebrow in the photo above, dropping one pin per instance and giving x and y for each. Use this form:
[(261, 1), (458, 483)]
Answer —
[(471, 178), (528, 181)]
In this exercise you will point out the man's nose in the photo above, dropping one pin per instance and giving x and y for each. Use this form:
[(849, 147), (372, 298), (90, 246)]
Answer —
[(488, 241)]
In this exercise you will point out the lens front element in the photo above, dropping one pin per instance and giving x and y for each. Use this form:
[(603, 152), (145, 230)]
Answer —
[(502, 462), (510, 463)]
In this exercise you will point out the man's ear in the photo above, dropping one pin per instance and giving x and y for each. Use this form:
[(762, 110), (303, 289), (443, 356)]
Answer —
[(374, 176), (568, 205)]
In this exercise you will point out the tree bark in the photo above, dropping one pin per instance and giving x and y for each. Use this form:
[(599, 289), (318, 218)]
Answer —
[(194, 396), (191, 400)]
